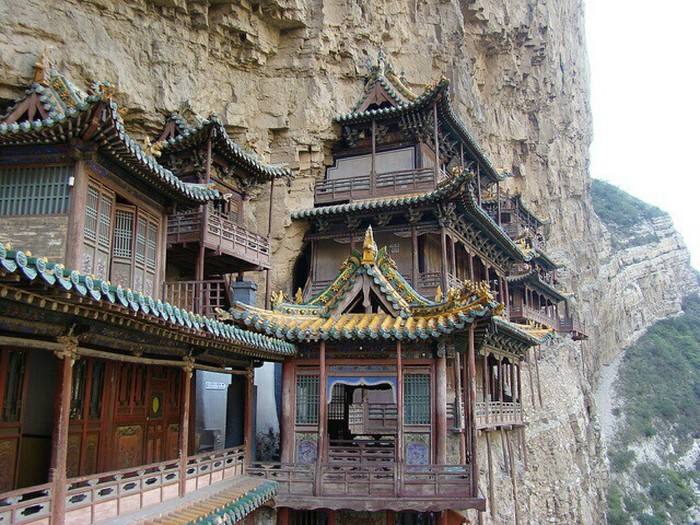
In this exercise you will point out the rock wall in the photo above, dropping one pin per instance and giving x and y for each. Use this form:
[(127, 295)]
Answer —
[(277, 71)]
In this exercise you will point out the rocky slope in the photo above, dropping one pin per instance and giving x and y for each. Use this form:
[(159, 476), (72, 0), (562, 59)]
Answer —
[(277, 71)]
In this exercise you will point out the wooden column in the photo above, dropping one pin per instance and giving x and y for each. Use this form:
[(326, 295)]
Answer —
[(460, 408), (199, 267), (373, 160), (487, 384), (469, 407), (471, 266), (478, 184), (59, 444), (453, 256), (443, 258), (283, 516), (436, 167), (76, 216), (322, 417), (471, 363), (399, 420), (184, 427), (500, 289), (507, 292), (414, 264), (287, 422), (249, 417), (441, 406), (498, 201), (268, 292)]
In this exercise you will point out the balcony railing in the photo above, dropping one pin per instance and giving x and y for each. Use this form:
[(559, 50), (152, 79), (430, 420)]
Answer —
[(352, 481), (522, 312), (376, 185), (497, 413), (99, 497), (569, 325), (370, 452), (201, 297), (222, 234)]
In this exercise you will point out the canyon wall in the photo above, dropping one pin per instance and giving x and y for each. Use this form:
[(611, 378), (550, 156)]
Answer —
[(277, 71)]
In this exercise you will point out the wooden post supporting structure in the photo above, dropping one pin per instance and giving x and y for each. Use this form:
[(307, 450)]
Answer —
[(399, 420), (322, 417), (523, 444), (513, 479), (414, 259), (373, 165), (532, 380), (183, 437), (537, 372), (268, 292), (478, 184), (460, 408), (443, 258), (199, 267), (492, 499), (436, 166), (283, 516), (487, 386), (453, 257), (504, 450), (248, 417), (471, 364), (498, 201), (287, 423), (441, 406), (59, 445), (471, 266)]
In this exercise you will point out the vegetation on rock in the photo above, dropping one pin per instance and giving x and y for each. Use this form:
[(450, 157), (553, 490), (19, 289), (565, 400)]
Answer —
[(617, 208), (659, 391)]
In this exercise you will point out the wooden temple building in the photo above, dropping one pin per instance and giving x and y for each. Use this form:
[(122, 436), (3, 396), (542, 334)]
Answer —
[(418, 294), (102, 327)]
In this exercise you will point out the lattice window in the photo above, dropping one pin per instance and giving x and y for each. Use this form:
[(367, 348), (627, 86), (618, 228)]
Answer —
[(34, 191), (417, 399), (97, 237), (336, 408), (307, 400), (123, 232), (14, 382)]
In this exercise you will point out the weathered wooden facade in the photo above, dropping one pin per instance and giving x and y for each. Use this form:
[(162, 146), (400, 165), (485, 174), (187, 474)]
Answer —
[(96, 365), (381, 406)]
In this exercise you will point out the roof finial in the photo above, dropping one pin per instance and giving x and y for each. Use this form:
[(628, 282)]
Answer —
[(43, 66), (369, 248)]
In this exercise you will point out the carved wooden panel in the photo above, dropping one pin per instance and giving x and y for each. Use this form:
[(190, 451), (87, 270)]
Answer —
[(92, 441), (171, 448), (128, 446), (73, 460), (154, 443), (8, 461)]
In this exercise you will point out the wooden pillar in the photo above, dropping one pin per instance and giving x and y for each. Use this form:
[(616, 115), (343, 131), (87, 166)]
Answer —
[(513, 478), (478, 184), (248, 417), (287, 422), (59, 444), (331, 517), (268, 292), (506, 292), (76, 216), (501, 298), (491, 496), (487, 384), (199, 267), (399, 422), (443, 258), (471, 266), (498, 201), (453, 257), (414, 263), (322, 417), (471, 363), (183, 436), (441, 406), (460, 408), (501, 373), (537, 372), (436, 167), (283, 516), (373, 166)]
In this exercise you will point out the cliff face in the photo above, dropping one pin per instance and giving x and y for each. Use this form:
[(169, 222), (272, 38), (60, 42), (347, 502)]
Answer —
[(277, 71)]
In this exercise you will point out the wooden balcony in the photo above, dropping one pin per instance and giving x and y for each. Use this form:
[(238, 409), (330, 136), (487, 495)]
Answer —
[(201, 297), (107, 495), (491, 414), (568, 325), (523, 313), (376, 185), (367, 487), (222, 235)]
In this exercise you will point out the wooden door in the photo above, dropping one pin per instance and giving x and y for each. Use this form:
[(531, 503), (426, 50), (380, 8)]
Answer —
[(13, 380)]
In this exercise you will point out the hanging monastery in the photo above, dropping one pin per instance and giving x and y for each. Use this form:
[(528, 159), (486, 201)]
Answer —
[(131, 328)]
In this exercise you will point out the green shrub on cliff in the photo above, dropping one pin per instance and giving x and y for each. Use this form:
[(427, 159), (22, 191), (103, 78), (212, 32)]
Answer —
[(617, 208)]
